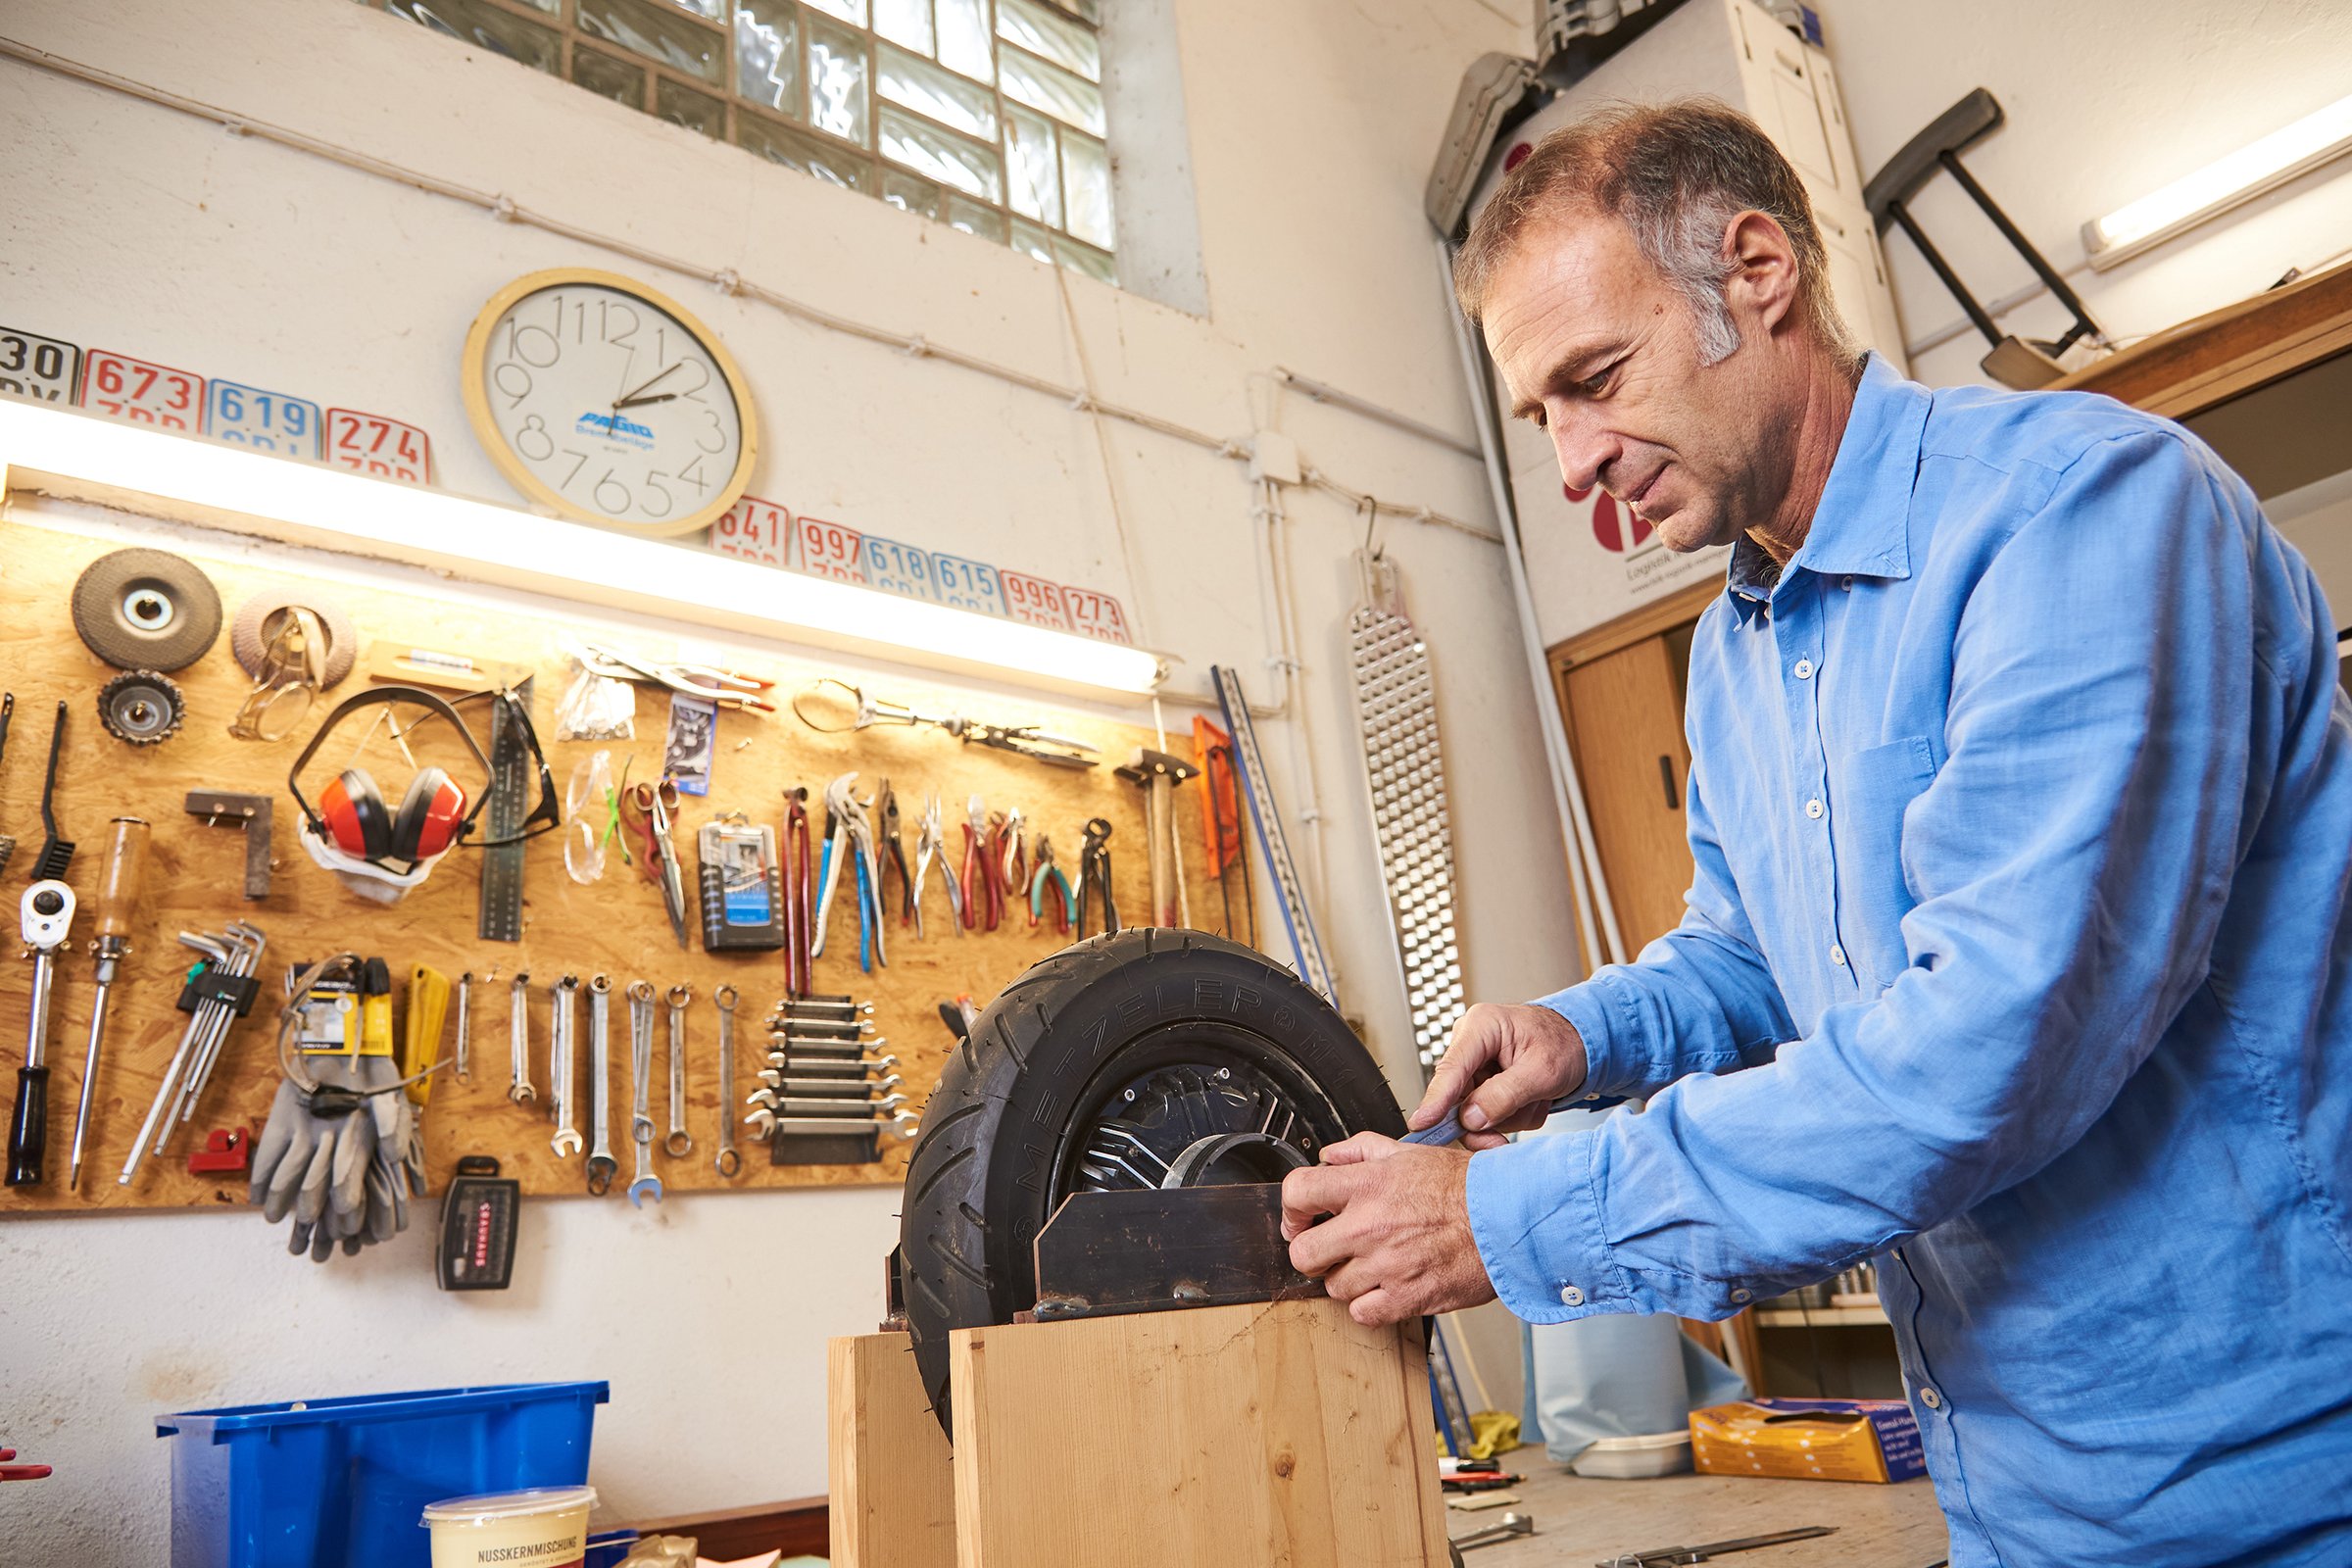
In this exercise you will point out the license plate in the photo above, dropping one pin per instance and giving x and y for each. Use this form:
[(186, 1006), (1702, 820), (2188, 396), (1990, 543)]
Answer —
[(36, 368), (1096, 615), (1034, 600), (267, 421), (829, 550), (755, 531), (898, 568), (124, 388), (969, 584), (377, 447)]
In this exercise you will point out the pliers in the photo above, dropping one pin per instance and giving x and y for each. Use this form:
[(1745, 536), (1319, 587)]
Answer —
[(1012, 853), (930, 847), (983, 887), (648, 811), (1065, 908), (892, 856), (800, 901), (1094, 873), (840, 805)]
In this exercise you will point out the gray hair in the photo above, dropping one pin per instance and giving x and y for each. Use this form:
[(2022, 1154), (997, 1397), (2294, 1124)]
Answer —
[(1676, 175)]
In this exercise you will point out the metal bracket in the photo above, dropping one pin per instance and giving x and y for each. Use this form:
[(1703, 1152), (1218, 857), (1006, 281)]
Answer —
[(1153, 1249), (251, 813)]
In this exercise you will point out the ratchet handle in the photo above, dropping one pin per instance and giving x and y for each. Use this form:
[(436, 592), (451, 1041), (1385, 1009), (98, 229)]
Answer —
[(28, 1128)]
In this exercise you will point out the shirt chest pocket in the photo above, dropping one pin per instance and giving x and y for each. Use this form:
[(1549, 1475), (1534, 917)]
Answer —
[(1869, 793)]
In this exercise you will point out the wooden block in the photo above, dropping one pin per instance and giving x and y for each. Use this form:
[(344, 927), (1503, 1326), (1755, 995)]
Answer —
[(893, 1502), (1272, 1433)]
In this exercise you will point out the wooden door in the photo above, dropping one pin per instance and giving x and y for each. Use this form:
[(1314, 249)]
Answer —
[(1625, 728)]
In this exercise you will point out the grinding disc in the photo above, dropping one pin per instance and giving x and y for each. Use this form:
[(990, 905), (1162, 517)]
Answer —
[(146, 609), (256, 622)]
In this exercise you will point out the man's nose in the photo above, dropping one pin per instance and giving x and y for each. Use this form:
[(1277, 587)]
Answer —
[(1584, 451)]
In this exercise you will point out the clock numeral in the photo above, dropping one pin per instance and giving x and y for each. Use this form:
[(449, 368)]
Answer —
[(653, 482), (692, 473), (505, 382), (607, 310), (533, 426), (579, 460), (696, 391), (721, 444), (527, 343), (610, 509)]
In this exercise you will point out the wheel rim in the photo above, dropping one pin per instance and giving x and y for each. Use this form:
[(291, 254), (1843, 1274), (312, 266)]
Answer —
[(1175, 1085)]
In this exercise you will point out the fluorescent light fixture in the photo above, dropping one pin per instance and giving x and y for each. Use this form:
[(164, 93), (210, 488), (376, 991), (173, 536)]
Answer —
[(81, 457), (2315, 139)]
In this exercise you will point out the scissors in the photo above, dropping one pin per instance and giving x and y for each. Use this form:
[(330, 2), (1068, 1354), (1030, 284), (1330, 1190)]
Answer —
[(647, 810)]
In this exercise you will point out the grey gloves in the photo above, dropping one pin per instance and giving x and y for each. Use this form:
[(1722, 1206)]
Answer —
[(333, 1155)]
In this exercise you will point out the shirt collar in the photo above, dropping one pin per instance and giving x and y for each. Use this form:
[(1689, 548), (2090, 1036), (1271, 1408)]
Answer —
[(1862, 525)]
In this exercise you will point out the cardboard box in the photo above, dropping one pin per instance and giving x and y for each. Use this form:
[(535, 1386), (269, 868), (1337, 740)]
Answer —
[(1808, 1439)]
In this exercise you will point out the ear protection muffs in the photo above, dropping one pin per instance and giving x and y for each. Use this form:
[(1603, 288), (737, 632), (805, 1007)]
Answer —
[(352, 816)]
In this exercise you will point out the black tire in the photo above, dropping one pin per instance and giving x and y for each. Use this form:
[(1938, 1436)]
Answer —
[(248, 647), (1007, 1133), (146, 609)]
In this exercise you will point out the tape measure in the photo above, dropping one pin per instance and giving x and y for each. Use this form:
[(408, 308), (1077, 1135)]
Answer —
[(500, 912)]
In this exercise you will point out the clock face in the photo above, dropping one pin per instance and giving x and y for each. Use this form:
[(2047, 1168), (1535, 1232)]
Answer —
[(606, 402)]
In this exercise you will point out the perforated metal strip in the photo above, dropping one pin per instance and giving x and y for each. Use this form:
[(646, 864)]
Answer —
[(1396, 702)]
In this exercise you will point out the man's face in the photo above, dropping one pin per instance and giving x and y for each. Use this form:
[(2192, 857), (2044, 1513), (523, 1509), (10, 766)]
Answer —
[(1597, 348)]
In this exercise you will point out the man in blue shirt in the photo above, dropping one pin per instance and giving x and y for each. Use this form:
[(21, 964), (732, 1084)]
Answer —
[(2016, 956)]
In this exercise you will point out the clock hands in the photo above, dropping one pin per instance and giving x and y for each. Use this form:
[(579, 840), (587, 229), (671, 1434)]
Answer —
[(633, 403), (631, 399)]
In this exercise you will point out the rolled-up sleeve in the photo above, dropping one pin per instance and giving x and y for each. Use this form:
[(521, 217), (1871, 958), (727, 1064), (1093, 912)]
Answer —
[(2070, 861)]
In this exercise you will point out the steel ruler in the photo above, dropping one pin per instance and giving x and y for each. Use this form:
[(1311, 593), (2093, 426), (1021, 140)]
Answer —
[(1298, 920), (500, 912), (1396, 712)]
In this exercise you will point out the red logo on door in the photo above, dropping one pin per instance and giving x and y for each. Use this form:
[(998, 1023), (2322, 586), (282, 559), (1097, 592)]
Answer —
[(1609, 526)]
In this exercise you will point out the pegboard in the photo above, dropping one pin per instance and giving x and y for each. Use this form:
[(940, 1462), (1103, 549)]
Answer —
[(615, 926)]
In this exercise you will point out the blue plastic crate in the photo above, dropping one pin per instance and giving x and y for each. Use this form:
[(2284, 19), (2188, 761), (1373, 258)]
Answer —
[(341, 1483)]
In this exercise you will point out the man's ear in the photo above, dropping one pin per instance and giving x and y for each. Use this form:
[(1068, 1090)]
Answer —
[(1763, 285)]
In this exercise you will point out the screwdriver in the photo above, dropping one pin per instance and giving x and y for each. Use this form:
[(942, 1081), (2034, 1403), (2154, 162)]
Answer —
[(1449, 1127), (118, 899), (47, 914)]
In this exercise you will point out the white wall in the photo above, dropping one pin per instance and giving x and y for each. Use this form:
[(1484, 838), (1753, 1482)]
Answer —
[(132, 227)]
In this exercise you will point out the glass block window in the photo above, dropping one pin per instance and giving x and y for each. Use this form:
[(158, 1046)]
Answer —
[(983, 115)]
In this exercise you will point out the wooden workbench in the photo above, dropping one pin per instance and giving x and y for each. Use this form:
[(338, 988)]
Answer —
[(1580, 1522)]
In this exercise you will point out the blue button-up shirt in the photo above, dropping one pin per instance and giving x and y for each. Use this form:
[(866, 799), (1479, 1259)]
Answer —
[(2017, 957)]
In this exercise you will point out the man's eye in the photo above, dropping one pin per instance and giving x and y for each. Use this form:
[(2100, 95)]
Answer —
[(1538, 419), (1594, 387)]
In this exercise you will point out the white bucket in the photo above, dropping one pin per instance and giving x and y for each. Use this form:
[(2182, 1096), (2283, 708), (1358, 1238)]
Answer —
[(546, 1527)]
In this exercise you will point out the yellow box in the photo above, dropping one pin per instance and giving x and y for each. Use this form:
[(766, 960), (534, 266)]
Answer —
[(1808, 1439)]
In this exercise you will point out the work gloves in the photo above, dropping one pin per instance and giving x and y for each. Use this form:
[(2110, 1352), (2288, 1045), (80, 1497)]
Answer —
[(334, 1155)]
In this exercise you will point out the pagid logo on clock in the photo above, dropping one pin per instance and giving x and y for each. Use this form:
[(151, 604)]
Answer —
[(613, 427), (1616, 530)]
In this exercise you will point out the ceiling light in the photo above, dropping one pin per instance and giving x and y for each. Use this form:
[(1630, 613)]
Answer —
[(80, 457), (2315, 139)]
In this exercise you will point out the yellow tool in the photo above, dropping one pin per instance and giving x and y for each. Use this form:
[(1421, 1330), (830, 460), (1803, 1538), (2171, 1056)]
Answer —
[(421, 1032)]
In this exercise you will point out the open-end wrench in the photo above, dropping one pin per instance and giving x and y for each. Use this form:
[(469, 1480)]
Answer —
[(828, 1105), (640, 1067), (1511, 1527), (844, 1088), (729, 1163), (563, 1068), (902, 1124), (518, 1024), (678, 1144), (465, 1068), (601, 1164)]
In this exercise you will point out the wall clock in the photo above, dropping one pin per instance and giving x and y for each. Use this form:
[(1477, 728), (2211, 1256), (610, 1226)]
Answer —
[(609, 403)]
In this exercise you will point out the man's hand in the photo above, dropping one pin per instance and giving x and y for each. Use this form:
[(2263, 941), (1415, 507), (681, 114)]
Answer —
[(1397, 1243), (1511, 1062)]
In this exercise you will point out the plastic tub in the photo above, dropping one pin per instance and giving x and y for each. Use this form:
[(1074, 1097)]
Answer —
[(543, 1527), (341, 1483), (1656, 1453)]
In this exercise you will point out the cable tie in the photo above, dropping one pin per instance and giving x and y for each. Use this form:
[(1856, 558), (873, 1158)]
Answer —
[(503, 210), (918, 348), (727, 281)]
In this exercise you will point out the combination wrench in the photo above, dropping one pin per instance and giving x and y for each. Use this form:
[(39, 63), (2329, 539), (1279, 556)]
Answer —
[(520, 1024), (641, 1088), (601, 1164), (729, 1163), (562, 1067), (465, 1068), (679, 1143)]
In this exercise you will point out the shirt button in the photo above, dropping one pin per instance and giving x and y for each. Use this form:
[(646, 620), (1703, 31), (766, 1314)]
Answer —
[(1836, 955), (1846, 583), (1741, 1295), (1570, 1296), (1813, 809), (1804, 669), (1930, 1398)]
